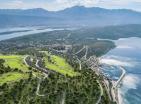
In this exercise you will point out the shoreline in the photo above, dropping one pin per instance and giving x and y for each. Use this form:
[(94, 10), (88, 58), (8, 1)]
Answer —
[(117, 84), (112, 87), (119, 98), (115, 87)]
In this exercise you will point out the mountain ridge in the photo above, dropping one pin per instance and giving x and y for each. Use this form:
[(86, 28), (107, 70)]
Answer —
[(77, 15)]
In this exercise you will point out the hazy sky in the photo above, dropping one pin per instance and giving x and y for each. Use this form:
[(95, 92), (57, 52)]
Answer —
[(54, 5)]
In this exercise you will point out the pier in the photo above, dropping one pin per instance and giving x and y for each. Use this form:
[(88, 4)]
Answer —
[(121, 77), (114, 89)]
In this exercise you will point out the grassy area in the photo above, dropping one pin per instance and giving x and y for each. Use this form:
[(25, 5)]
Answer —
[(12, 77), (60, 65), (14, 61)]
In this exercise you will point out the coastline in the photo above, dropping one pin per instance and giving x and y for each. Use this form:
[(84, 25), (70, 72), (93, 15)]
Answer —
[(112, 87), (116, 86), (126, 54)]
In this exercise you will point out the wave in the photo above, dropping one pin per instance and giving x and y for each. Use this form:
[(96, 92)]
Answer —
[(130, 81), (115, 62), (124, 47), (133, 42), (119, 61)]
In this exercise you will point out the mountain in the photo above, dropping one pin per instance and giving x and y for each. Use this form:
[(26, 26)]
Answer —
[(28, 12), (74, 16)]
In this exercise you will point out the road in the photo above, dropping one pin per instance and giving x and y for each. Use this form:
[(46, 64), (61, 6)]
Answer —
[(79, 50), (101, 92), (38, 87), (63, 98), (94, 62), (85, 56), (40, 80), (80, 66), (45, 71), (66, 37), (108, 88), (25, 60)]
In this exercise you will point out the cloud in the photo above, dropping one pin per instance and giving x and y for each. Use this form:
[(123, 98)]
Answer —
[(12, 4), (62, 4)]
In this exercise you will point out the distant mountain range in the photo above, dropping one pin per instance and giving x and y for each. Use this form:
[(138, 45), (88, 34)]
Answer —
[(74, 16)]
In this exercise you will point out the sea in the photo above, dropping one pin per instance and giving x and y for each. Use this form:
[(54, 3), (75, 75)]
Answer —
[(127, 54), (22, 31)]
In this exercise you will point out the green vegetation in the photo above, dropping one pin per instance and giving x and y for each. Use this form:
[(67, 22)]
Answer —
[(82, 89), (21, 87), (12, 68), (18, 85), (60, 65), (14, 61), (42, 41), (12, 77)]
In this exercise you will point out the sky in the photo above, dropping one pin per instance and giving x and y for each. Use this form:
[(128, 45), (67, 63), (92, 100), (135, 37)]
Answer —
[(55, 5)]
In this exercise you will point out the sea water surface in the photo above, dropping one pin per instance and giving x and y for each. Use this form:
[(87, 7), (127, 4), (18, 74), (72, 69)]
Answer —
[(30, 30), (127, 54)]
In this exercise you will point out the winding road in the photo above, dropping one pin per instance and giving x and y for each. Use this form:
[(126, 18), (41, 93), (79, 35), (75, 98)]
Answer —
[(45, 72), (40, 80), (38, 87), (94, 63)]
